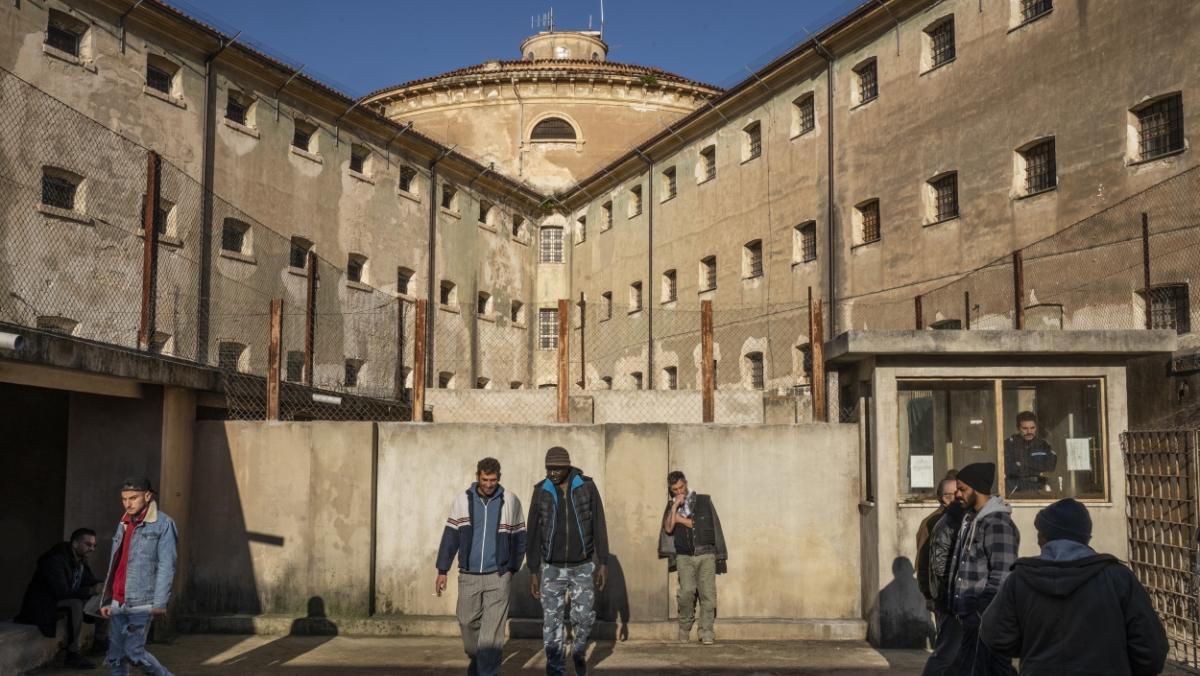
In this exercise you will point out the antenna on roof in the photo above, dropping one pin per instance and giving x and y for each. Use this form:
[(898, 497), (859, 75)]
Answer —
[(545, 21), (601, 19)]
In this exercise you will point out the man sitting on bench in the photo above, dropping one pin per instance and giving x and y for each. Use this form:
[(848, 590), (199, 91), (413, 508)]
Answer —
[(63, 581)]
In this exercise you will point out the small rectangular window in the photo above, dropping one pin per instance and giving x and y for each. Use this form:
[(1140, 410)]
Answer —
[(298, 252), (635, 201), (804, 116), (1041, 171), (1160, 127), (58, 190), (517, 312), (941, 43), (449, 193), (407, 176), (804, 357), (233, 236), (869, 215), (669, 185), (302, 135), (351, 372), (1170, 308), (229, 356), (485, 212), (548, 328), (446, 379), (581, 228), (358, 158), (356, 268), (64, 32), (868, 82), (607, 209), (708, 273), (753, 140), (1032, 9), (753, 262), (606, 305), (670, 378), (295, 366), (404, 278), (754, 361), (804, 242), (670, 287), (483, 304), (945, 197), (635, 297), (236, 107), (636, 378), (551, 246), (158, 79), (708, 163), (447, 293)]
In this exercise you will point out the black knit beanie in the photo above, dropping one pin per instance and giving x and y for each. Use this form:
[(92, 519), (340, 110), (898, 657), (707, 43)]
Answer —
[(558, 457), (979, 475), (1066, 519)]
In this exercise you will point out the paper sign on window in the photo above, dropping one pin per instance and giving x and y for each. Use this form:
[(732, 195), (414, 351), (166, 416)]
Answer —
[(1079, 455), (921, 471)]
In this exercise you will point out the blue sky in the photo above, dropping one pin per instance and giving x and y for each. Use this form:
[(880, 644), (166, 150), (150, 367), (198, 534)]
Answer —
[(362, 45)]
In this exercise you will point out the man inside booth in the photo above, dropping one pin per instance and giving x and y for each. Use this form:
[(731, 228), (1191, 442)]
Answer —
[(1027, 457)]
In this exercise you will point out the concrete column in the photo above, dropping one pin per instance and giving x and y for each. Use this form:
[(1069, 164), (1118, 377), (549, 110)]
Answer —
[(175, 473)]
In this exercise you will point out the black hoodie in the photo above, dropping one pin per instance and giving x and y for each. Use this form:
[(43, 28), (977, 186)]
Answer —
[(1083, 616)]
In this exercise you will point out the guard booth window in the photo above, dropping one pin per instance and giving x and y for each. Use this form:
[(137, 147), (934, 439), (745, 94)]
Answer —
[(1045, 436)]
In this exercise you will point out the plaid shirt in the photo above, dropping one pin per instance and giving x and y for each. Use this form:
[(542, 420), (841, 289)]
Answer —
[(987, 549)]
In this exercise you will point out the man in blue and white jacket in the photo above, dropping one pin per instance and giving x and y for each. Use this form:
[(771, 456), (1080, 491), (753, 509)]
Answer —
[(486, 529)]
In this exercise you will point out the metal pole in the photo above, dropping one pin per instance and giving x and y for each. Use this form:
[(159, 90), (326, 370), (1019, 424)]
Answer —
[(1018, 291), (564, 375), (310, 316), (920, 319), (706, 360), (816, 344), (582, 343), (273, 359), (418, 395), (398, 389), (149, 251), (1146, 267), (967, 310)]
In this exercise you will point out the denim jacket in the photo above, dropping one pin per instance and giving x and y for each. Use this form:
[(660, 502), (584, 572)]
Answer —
[(151, 566)]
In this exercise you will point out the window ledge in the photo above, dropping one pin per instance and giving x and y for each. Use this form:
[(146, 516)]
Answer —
[(1148, 160), (68, 57), (796, 264), (748, 160), (299, 272), (243, 128), (866, 103), (751, 278), (453, 214), (944, 220), (238, 256), (408, 194), (360, 286), (1030, 20), (360, 176), (312, 157), (449, 308), (486, 318), (517, 325), (550, 262), (405, 296), (863, 245), (176, 101), (806, 132), (706, 180), (634, 215), (939, 66), (668, 198), (520, 240), (631, 313), (1028, 195), (485, 226), (669, 303), (165, 240), (66, 214), (711, 291)]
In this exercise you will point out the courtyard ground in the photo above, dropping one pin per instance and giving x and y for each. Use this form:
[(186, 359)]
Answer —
[(206, 654)]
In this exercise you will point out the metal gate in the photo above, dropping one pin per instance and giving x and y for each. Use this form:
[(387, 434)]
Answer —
[(1161, 506)]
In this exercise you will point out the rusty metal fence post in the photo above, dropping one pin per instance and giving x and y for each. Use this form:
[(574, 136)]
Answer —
[(310, 316), (418, 394), (273, 359), (706, 361), (1018, 291), (919, 317), (564, 361), (150, 206), (1146, 269), (816, 342)]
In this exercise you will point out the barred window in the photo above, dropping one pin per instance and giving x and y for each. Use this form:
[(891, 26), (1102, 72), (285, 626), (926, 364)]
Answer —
[(404, 277), (548, 328), (295, 366), (551, 250), (448, 293), (804, 242), (64, 32), (803, 116), (753, 134), (670, 378), (869, 216), (1032, 9), (752, 257), (159, 74), (356, 268), (234, 236), (237, 107), (303, 134), (670, 287), (868, 82), (606, 210), (353, 366), (754, 362), (1041, 171), (606, 305), (708, 160), (669, 185), (1160, 127), (635, 201), (1170, 308), (553, 129), (635, 297), (945, 197), (407, 176), (59, 188), (358, 158), (708, 273), (941, 42), (298, 252), (449, 197)]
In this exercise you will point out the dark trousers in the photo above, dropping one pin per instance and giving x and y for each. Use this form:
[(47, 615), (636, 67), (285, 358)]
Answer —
[(976, 659), (945, 645)]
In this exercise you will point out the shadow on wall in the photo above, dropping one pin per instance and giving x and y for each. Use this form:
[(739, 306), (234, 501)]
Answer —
[(221, 577), (904, 621)]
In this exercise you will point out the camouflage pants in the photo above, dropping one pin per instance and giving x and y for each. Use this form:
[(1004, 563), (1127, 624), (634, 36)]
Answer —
[(557, 582)]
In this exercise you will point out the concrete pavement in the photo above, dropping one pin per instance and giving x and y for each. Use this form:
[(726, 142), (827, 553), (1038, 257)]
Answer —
[(208, 654)]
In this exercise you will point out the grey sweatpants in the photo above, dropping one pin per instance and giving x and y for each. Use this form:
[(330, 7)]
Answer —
[(482, 611)]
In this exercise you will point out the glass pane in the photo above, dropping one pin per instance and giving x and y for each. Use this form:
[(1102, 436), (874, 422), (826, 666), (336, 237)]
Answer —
[(1057, 450), (943, 425)]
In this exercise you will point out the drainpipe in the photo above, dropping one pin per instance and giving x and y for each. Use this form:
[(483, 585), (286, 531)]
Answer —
[(831, 231), (207, 158), (431, 253), (520, 129), (649, 269)]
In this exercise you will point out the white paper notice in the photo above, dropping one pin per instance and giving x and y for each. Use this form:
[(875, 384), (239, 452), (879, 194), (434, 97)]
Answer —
[(1079, 455), (921, 470)]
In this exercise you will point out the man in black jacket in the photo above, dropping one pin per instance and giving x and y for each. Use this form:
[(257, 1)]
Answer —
[(943, 538), (694, 545), (1072, 610), (568, 553), (63, 580)]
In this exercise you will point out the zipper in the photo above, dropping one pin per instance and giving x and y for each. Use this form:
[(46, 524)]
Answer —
[(483, 552)]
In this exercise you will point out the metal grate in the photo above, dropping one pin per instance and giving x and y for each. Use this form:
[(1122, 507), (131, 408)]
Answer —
[(709, 157), (945, 193), (942, 42), (1160, 127), (58, 191), (754, 259), (806, 120), (407, 174), (868, 82), (808, 242), (233, 236), (553, 129), (1041, 170), (548, 328), (62, 39), (551, 249), (159, 79), (1170, 308), (635, 200), (870, 221), (708, 273), (669, 179), (670, 287), (1160, 476), (235, 109), (754, 141), (607, 209), (755, 361), (1032, 9), (671, 378)]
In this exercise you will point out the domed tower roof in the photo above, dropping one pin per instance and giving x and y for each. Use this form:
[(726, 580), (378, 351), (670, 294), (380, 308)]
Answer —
[(554, 116)]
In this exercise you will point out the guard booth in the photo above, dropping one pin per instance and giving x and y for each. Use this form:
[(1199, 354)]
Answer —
[(929, 401)]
